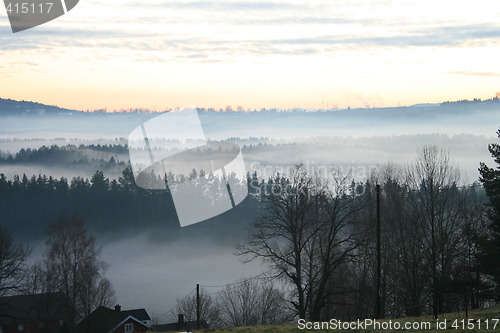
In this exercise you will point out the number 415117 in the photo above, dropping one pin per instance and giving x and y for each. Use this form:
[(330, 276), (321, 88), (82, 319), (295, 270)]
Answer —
[(29, 8), (485, 324)]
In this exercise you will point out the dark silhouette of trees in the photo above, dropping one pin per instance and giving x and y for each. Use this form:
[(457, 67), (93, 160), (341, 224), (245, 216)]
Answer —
[(490, 177), (247, 302), (13, 266), (280, 236), (99, 183), (437, 203), (305, 234), (105, 204), (321, 242), (209, 309), (252, 302), (438, 247), (468, 274), (72, 266)]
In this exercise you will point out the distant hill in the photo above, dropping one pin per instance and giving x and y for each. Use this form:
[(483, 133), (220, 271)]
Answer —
[(13, 107)]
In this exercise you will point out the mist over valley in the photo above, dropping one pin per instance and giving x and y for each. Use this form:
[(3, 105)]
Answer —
[(153, 261)]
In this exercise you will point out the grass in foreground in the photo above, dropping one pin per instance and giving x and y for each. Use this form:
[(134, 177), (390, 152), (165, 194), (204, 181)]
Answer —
[(491, 314)]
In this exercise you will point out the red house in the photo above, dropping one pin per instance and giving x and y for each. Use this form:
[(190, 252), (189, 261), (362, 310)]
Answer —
[(39, 313), (106, 320)]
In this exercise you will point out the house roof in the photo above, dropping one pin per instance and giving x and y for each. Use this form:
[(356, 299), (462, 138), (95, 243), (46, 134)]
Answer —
[(140, 314), (36, 307), (105, 320), (187, 325)]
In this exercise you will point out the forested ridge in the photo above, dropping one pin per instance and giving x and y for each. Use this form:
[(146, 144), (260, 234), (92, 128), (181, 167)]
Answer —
[(108, 205), (82, 154)]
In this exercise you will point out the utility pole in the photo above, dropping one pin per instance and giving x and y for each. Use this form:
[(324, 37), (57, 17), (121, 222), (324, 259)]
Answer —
[(197, 306), (378, 309), (466, 305), (435, 286)]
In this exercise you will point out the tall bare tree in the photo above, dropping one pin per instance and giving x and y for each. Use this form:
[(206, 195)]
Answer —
[(73, 266), (437, 204), (281, 234), (13, 256), (304, 234), (402, 251), (334, 242)]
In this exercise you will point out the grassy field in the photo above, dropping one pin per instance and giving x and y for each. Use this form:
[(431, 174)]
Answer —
[(489, 314)]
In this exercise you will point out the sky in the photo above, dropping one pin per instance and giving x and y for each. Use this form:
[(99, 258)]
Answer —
[(161, 54)]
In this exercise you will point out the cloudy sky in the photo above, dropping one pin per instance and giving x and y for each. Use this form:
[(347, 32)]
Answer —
[(310, 54)]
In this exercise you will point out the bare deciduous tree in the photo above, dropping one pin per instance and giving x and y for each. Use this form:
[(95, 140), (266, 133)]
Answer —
[(209, 310), (304, 234), (333, 244), (13, 256), (252, 302), (284, 230), (402, 249), (72, 266), (437, 204)]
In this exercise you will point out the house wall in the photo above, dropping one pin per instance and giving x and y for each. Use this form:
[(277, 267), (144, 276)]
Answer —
[(33, 327), (137, 327)]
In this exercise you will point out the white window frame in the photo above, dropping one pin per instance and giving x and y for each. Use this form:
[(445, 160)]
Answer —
[(129, 328)]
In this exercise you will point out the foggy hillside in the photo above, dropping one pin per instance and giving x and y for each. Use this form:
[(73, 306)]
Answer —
[(447, 118), (49, 157)]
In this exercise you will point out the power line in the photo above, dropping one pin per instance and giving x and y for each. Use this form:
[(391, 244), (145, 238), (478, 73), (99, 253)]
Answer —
[(221, 286), (170, 310), (239, 282)]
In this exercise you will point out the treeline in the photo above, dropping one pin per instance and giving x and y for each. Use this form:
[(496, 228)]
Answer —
[(246, 302), (70, 153), (320, 238), (476, 101), (29, 204), (13, 107)]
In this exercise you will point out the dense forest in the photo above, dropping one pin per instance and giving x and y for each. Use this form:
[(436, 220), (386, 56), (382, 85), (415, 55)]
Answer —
[(107, 205)]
